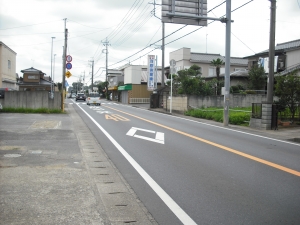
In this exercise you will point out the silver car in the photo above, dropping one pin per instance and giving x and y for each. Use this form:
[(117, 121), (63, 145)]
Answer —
[(93, 98)]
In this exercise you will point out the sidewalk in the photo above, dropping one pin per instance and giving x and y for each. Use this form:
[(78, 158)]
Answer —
[(53, 171)]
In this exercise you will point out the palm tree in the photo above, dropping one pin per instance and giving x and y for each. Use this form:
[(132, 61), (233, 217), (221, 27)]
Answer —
[(217, 63)]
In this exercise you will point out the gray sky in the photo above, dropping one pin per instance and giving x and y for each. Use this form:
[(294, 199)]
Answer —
[(27, 27)]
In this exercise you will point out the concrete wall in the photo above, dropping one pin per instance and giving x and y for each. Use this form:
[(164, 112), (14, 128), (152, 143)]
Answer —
[(236, 100), (181, 103), (31, 99)]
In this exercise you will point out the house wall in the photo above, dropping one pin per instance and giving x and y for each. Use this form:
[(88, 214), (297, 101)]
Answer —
[(132, 75), (7, 75), (139, 91), (32, 78), (292, 58)]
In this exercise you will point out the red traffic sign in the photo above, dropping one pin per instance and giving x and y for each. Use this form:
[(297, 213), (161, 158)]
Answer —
[(69, 58), (69, 66)]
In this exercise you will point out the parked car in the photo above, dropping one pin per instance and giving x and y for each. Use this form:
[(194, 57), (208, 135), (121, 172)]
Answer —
[(73, 95), (80, 96), (93, 98)]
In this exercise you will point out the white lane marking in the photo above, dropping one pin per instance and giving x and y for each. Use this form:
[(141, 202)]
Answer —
[(159, 137), (173, 206), (219, 127)]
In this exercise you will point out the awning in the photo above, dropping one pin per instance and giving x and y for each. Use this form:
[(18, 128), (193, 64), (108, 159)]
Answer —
[(114, 88), (126, 87)]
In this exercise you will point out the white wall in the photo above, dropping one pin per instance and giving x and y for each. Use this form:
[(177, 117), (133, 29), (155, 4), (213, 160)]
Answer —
[(7, 75), (133, 75)]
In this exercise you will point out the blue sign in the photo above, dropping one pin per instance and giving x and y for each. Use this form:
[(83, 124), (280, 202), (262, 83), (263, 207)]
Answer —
[(69, 66)]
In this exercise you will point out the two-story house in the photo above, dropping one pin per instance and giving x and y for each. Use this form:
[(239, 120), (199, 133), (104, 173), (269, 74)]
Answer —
[(184, 59), (8, 75), (287, 58), (34, 80)]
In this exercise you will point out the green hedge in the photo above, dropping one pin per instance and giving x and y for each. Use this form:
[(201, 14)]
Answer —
[(241, 117)]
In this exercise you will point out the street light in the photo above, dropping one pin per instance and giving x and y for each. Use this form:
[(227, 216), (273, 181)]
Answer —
[(51, 94), (54, 73)]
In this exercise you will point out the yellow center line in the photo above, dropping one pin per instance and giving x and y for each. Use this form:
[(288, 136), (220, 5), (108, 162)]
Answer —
[(288, 170)]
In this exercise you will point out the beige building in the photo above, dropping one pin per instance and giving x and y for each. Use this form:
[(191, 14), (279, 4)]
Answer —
[(184, 59), (8, 76)]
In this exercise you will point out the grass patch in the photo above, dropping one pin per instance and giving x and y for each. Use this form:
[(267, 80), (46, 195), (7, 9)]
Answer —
[(28, 110), (237, 116)]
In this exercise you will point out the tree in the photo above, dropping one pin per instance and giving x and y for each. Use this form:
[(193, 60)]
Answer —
[(257, 78), (187, 80), (217, 63), (287, 88)]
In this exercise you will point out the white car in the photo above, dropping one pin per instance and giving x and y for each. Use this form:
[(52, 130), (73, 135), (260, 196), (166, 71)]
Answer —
[(93, 99)]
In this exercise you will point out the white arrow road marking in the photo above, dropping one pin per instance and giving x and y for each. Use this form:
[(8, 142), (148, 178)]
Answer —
[(159, 137)]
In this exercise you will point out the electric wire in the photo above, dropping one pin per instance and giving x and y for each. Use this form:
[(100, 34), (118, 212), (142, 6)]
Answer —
[(179, 37)]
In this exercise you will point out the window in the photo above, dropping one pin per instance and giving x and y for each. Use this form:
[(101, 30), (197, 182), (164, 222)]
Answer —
[(212, 71), (9, 64)]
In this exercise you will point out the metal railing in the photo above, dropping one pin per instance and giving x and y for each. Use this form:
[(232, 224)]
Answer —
[(139, 100)]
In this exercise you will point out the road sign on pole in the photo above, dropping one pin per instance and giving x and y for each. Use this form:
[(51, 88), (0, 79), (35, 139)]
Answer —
[(69, 58), (69, 66)]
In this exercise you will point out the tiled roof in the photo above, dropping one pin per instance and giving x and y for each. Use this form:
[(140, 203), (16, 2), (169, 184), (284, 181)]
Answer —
[(32, 70), (207, 58), (285, 46)]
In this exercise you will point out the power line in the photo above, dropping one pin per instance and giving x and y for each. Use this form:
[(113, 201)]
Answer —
[(179, 37)]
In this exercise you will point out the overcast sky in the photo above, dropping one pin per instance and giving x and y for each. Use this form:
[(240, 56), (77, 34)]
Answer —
[(27, 27)]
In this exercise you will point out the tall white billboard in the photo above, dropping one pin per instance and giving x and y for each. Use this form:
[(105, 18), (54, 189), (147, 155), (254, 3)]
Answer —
[(151, 73)]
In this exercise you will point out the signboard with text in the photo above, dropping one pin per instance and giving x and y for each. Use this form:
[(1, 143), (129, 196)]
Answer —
[(151, 72), (190, 12)]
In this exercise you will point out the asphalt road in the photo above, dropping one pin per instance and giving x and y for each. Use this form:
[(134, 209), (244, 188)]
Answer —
[(188, 172)]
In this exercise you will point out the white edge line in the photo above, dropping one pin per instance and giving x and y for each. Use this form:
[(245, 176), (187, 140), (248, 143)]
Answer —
[(173, 206)]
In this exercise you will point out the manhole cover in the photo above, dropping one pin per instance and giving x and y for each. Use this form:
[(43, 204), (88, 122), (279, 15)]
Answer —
[(12, 155)]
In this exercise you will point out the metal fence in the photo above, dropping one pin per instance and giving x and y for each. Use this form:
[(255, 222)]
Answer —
[(139, 100)]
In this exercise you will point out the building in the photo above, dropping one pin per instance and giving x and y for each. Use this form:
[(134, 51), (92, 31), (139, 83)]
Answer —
[(184, 59), (135, 89), (34, 80), (287, 58), (115, 78), (8, 75)]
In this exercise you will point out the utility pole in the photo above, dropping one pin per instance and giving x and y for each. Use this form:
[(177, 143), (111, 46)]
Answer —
[(83, 81), (106, 43), (63, 86), (162, 48), (51, 94), (92, 61), (271, 53), (227, 63), (163, 56)]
